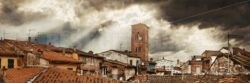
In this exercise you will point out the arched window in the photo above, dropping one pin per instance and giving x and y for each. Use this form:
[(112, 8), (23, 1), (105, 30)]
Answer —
[(139, 36)]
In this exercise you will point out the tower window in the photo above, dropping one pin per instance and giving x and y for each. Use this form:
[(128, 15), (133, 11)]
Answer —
[(139, 36), (138, 49)]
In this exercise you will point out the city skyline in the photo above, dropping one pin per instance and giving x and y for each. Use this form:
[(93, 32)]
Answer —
[(99, 26)]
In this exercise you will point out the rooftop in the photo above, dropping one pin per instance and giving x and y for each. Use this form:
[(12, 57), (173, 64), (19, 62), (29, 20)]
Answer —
[(21, 75), (54, 56), (53, 75)]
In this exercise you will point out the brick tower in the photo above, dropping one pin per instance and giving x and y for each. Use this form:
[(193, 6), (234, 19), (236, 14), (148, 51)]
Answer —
[(139, 41)]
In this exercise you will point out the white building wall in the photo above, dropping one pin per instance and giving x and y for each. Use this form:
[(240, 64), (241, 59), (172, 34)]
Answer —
[(168, 64), (44, 62), (134, 60), (111, 55)]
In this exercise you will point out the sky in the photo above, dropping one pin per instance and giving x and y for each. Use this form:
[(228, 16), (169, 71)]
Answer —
[(178, 28)]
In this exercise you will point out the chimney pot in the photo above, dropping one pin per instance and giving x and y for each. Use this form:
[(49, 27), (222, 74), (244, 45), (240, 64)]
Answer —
[(151, 59), (91, 52), (50, 43)]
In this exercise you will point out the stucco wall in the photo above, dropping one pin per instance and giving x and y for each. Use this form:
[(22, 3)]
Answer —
[(44, 62), (133, 60), (4, 61), (64, 66)]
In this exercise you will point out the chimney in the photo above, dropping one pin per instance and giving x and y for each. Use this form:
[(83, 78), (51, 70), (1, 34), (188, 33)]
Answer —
[(178, 61), (50, 43), (74, 48), (164, 67), (91, 52), (151, 59), (40, 51), (36, 41), (127, 52), (29, 39), (63, 51)]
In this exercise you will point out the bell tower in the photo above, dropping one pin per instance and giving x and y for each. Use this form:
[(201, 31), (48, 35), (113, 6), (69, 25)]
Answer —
[(139, 41)]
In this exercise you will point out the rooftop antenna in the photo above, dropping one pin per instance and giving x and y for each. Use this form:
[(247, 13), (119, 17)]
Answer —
[(4, 34), (1, 35), (59, 39), (46, 39), (29, 35), (140, 16), (121, 46), (16, 36), (38, 35), (230, 47), (30, 31)]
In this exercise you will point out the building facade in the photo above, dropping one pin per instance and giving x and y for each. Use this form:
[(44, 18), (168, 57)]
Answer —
[(91, 63)]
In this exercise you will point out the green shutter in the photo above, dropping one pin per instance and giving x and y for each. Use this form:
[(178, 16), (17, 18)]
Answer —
[(10, 63)]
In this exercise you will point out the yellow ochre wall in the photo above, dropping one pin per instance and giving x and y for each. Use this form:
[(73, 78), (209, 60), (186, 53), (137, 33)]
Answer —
[(64, 66), (4, 61), (73, 55)]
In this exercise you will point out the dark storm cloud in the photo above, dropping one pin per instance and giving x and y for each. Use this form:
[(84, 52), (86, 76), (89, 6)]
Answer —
[(56, 35), (230, 19), (9, 12), (10, 15), (161, 43), (235, 16), (231, 16)]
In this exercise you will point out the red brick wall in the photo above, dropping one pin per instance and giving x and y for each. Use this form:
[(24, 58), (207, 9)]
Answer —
[(142, 29)]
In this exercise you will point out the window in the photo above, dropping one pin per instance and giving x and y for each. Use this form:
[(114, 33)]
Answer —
[(105, 71), (83, 59), (138, 49), (139, 36), (137, 62), (131, 62), (10, 63)]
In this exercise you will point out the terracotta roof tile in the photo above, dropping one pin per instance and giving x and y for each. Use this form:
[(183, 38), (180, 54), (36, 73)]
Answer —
[(54, 56), (8, 49), (53, 75), (209, 53), (21, 75), (81, 53)]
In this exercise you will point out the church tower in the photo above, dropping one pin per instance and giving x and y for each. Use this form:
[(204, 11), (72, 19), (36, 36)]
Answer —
[(139, 41)]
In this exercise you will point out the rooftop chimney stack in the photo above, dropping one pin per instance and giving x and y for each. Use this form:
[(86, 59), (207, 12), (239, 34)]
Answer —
[(29, 39)]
